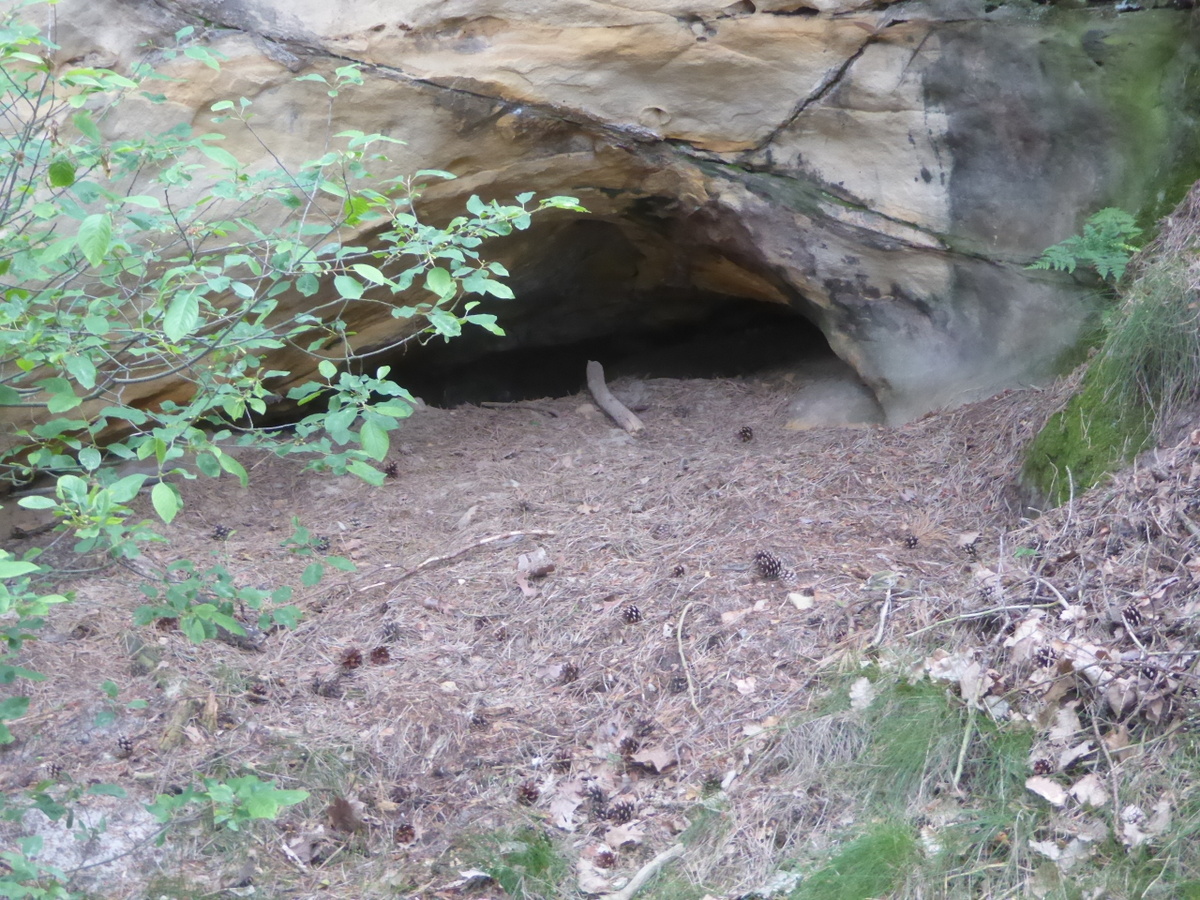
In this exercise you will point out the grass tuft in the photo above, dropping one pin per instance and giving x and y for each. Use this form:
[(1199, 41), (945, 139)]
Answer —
[(525, 863), (869, 866)]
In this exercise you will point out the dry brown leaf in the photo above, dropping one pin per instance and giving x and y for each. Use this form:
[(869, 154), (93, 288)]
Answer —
[(1121, 695), (1090, 791), (974, 683), (620, 835), (802, 600), (468, 879), (466, 518), (300, 849), (1026, 637), (1047, 789), (746, 686), (862, 694), (728, 618), (1117, 742), (590, 879), (345, 815), (562, 810), (1066, 724), (660, 757), (536, 564), (1072, 755)]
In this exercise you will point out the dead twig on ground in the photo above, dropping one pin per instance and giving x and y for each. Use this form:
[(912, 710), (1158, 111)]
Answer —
[(645, 873), (435, 560), (683, 661), (616, 410), (496, 404)]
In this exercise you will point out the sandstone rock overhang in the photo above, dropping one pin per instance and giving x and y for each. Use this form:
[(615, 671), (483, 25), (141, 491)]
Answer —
[(884, 172)]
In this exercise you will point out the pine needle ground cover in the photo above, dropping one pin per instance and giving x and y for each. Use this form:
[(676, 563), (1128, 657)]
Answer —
[(853, 670)]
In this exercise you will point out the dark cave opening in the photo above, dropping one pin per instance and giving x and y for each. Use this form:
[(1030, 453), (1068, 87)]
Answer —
[(736, 338), (632, 294)]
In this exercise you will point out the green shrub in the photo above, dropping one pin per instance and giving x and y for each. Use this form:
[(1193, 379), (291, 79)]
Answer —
[(127, 261)]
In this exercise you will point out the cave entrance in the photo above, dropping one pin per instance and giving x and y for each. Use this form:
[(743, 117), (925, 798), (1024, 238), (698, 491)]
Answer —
[(640, 302)]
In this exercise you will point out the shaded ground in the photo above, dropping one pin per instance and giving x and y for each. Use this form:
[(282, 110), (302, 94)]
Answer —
[(651, 667)]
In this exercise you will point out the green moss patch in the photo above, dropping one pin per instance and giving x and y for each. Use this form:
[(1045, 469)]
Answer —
[(1083, 443)]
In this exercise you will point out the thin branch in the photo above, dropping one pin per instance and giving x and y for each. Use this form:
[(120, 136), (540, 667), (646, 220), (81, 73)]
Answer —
[(683, 660), (645, 873), (436, 560)]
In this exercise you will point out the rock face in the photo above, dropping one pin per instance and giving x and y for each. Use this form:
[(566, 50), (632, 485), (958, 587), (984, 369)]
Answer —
[(885, 172)]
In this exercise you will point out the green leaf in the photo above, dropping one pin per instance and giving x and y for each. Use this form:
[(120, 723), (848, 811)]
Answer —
[(347, 287), (371, 273), (61, 173), (37, 502), (340, 562), (438, 281), (375, 440), (127, 488), (82, 369), (327, 368), (312, 575), (12, 568), (208, 464), (233, 467), (82, 120), (62, 397), (220, 156), (107, 790), (89, 458), (183, 315), (265, 804), (497, 289), (97, 325), (308, 284), (367, 473), (13, 707), (95, 237), (444, 323), (166, 501)]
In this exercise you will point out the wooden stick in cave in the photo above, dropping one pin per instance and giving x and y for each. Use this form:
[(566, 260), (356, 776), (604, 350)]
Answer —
[(616, 410)]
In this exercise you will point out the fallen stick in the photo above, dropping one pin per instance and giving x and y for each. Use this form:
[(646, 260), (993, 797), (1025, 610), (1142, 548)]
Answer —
[(434, 560), (496, 404), (617, 411), (645, 873)]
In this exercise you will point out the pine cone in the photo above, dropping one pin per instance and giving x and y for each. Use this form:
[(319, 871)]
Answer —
[(767, 565), (620, 813), (528, 793)]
